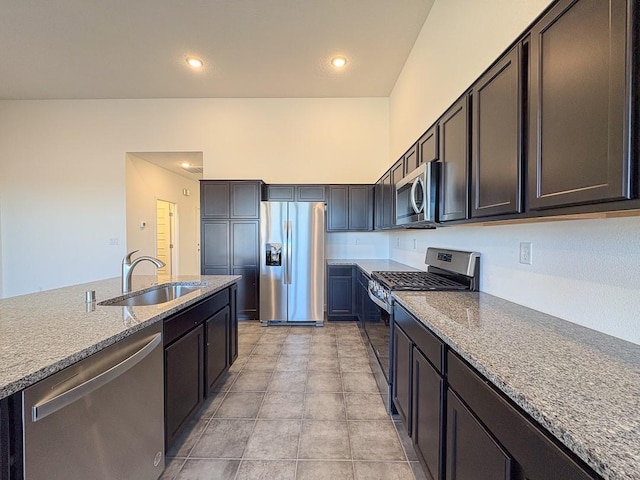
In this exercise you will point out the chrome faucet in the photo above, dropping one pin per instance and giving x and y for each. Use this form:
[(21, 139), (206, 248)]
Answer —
[(128, 266)]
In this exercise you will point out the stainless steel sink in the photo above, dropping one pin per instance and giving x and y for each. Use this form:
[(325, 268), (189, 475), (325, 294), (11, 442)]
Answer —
[(154, 296)]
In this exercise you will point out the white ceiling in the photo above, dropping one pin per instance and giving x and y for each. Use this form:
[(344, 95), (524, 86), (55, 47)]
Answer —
[(64, 49)]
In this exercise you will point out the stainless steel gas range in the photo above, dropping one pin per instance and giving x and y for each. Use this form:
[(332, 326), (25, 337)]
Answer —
[(446, 270)]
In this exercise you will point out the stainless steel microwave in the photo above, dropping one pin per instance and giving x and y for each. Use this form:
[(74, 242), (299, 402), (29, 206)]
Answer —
[(416, 197)]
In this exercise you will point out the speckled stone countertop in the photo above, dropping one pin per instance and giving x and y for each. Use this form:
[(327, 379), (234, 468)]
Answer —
[(581, 385), (42, 333), (373, 265)]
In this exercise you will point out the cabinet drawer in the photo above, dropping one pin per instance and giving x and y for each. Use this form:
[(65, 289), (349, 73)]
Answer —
[(425, 340), (177, 326), (538, 455), (362, 278), (339, 271)]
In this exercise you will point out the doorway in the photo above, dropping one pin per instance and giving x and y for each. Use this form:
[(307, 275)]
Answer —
[(166, 246)]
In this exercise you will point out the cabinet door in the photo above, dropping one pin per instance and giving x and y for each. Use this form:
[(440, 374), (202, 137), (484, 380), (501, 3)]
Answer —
[(428, 146), (397, 171), (411, 160), (401, 387), (245, 199), (470, 448), (495, 153), (184, 381), (340, 291), (214, 199), (281, 193), (310, 193), (578, 106), (388, 194), (248, 292), (244, 243), (215, 248), (454, 157), (377, 210), (217, 356), (338, 208), (233, 324), (427, 415), (360, 207)]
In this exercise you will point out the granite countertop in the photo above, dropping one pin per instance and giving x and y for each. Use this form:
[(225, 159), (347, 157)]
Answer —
[(581, 385), (42, 333), (373, 265)]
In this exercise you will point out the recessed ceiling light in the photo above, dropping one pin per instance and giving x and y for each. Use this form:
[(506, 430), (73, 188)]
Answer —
[(185, 164), (195, 62), (338, 62)]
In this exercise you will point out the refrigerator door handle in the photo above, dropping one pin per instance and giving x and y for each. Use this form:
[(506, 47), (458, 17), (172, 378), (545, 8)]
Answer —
[(287, 271)]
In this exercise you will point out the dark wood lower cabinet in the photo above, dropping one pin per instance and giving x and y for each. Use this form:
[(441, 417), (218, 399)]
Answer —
[(401, 375), (201, 342), (471, 451), (462, 427), (217, 356), (427, 415), (183, 369), (340, 293)]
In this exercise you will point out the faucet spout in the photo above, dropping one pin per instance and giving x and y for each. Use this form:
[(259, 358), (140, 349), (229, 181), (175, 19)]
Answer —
[(128, 265)]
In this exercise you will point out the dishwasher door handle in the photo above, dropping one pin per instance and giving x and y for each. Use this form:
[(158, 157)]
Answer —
[(42, 410)]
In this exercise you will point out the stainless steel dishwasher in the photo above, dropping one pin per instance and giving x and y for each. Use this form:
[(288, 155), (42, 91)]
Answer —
[(101, 418)]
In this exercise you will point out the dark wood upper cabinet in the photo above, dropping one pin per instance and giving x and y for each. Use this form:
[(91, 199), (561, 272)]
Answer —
[(388, 189), (214, 199), (229, 199), (411, 159), (427, 146), (360, 207), (310, 193), (338, 208), (496, 139), (245, 199), (454, 155), (579, 104), (296, 193), (398, 171), (281, 193), (349, 208)]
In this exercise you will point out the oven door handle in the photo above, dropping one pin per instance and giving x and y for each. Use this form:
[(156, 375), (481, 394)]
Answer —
[(386, 307)]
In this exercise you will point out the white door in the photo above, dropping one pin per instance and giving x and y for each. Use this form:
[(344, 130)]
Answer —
[(165, 236)]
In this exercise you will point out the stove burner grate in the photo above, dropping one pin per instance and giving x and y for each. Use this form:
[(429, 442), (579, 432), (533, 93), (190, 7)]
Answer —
[(418, 281)]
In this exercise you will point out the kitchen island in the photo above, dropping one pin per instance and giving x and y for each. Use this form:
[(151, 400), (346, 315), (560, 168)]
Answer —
[(83, 379), (42, 333)]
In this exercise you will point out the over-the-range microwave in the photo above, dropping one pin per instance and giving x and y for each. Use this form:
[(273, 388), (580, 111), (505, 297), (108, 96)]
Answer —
[(416, 196)]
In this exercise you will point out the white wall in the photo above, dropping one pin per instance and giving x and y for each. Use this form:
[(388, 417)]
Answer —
[(357, 245), (62, 187), (585, 271), (147, 183)]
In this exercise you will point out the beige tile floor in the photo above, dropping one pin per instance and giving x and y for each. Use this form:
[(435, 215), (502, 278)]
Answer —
[(298, 403)]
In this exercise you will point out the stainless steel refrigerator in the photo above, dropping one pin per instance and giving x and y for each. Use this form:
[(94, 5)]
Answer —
[(292, 262)]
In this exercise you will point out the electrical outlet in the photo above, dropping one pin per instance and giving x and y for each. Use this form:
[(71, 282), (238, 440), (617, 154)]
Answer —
[(357, 241), (114, 241), (525, 253), (398, 242), (415, 243)]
